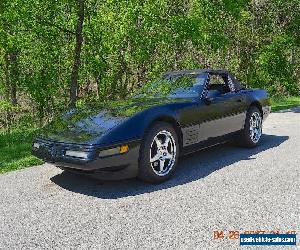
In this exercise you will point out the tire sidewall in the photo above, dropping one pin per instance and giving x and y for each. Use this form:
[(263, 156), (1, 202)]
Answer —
[(146, 172), (246, 132)]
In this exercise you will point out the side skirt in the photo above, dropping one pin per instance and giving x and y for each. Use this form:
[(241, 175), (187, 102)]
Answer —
[(208, 143)]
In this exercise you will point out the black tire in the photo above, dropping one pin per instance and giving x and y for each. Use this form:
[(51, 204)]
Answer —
[(147, 171), (244, 138)]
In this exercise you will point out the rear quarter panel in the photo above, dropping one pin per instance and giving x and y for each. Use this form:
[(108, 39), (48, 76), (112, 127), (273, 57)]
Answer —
[(260, 96)]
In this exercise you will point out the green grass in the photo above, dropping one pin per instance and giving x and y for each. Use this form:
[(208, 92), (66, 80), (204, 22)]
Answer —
[(15, 147), (279, 103), (15, 150)]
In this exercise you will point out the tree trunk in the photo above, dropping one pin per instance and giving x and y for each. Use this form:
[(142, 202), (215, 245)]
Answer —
[(14, 78), (7, 77), (98, 82), (7, 118), (77, 51)]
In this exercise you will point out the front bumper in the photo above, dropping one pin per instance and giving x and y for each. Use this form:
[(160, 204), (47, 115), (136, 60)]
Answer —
[(119, 166)]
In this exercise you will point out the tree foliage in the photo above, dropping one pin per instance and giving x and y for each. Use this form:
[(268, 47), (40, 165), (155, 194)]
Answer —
[(56, 53)]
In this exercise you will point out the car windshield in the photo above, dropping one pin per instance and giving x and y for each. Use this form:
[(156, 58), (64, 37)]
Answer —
[(173, 86)]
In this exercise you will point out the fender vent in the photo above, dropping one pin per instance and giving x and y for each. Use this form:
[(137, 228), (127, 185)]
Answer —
[(190, 135)]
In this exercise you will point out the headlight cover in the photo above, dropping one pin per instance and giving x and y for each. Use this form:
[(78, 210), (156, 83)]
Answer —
[(77, 154)]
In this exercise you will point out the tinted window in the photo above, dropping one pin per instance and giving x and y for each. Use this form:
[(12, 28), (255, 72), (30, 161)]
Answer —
[(174, 86), (218, 83)]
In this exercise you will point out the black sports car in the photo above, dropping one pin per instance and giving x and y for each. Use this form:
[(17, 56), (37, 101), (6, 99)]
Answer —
[(145, 134)]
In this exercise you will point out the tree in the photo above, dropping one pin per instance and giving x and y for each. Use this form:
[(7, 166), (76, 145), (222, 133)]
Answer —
[(77, 52), (55, 54)]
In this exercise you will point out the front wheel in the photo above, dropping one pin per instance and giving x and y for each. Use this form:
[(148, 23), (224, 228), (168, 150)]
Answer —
[(252, 132), (159, 153)]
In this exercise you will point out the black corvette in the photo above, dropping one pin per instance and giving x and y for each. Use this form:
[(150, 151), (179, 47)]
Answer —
[(145, 134)]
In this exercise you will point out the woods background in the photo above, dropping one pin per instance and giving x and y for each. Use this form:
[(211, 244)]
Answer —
[(55, 54)]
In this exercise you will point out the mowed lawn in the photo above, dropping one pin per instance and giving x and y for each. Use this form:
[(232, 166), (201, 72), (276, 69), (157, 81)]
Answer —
[(279, 103), (15, 147), (15, 150)]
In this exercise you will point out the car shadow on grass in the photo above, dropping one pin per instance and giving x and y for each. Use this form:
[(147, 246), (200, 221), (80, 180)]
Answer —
[(190, 168)]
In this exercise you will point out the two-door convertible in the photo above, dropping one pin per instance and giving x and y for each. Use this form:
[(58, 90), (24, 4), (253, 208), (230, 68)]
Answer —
[(145, 134)]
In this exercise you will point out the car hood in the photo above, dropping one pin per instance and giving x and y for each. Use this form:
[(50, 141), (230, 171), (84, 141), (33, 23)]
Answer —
[(85, 125)]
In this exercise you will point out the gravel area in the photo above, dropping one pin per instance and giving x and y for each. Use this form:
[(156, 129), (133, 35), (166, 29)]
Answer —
[(222, 188)]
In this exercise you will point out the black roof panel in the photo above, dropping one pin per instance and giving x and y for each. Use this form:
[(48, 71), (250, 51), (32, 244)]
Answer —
[(197, 71)]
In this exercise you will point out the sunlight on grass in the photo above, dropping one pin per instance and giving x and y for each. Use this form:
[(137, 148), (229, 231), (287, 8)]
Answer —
[(15, 150), (279, 103), (24, 162)]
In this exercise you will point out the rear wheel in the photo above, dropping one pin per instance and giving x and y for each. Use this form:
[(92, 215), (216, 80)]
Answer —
[(251, 134), (159, 153)]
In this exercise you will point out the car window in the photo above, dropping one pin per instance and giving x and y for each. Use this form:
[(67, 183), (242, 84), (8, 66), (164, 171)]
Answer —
[(218, 85), (174, 86), (216, 79)]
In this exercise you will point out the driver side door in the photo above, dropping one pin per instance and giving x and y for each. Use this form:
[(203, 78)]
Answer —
[(224, 109)]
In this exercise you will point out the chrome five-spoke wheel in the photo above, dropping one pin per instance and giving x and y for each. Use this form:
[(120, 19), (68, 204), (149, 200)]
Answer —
[(163, 153), (251, 134), (158, 153), (255, 126)]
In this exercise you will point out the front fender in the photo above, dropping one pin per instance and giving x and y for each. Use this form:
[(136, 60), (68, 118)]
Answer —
[(134, 127)]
